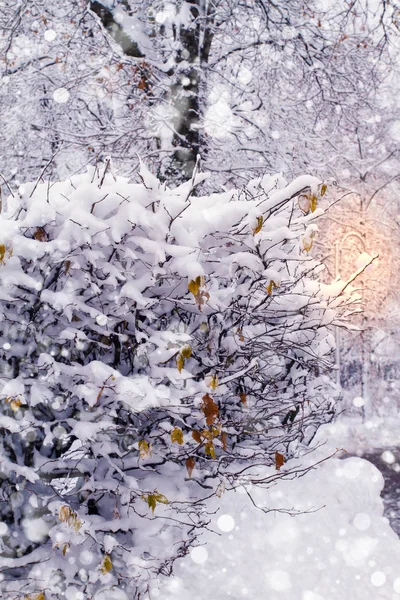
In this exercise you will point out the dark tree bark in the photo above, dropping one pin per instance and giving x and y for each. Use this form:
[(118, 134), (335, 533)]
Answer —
[(192, 44), (185, 94), (128, 45)]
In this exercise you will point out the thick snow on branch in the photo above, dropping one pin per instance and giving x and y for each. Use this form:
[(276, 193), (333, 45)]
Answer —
[(154, 345)]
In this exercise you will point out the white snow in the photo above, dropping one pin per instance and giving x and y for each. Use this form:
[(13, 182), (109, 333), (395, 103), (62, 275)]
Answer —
[(111, 594), (362, 521), (358, 401), (378, 578), (219, 119), (388, 457), (36, 530), (363, 260), (339, 547)]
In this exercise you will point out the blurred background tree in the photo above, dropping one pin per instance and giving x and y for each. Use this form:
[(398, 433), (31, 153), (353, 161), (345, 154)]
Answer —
[(252, 86)]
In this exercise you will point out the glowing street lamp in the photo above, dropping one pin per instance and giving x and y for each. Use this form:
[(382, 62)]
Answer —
[(349, 235)]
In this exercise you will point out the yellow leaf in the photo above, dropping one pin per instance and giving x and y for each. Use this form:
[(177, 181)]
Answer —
[(106, 565), (213, 383), (324, 187), (144, 449), (216, 430), (314, 203), (177, 435), (152, 499), (243, 398), (207, 435), (15, 404), (193, 287), (271, 285), (186, 351), (64, 514), (161, 498), (279, 460), (65, 549), (40, 596), (307, 244), (190, 465), (209, 449), (260, 221), (2, 253), (195, 284), (75, 522), (180, 362)]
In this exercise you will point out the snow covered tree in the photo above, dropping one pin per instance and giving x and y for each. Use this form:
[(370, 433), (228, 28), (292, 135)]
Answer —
[(155, 348), (252, 86), (68, 94), (273, 82)]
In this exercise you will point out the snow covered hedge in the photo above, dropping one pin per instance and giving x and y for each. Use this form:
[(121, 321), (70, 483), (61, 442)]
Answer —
[(155, 347)]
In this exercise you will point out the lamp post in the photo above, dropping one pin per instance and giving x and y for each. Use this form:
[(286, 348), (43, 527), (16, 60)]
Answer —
[(339, 247)]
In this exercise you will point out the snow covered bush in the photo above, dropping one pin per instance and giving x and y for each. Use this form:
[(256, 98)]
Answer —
[(155, 347)]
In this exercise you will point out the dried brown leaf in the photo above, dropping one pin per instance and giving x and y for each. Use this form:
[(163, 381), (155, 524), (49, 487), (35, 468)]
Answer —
[(279, 460), (196, 436), (210, 409), (190, 465)]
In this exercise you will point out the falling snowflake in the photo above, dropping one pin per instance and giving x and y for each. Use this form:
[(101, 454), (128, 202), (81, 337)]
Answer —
[(199, 555), (378, 578), (226, 523), (61, 95), (50, 35), (358, 402)]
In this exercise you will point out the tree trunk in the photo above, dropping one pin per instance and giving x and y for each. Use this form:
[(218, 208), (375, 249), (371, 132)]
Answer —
[(193, 35), (185, 94)]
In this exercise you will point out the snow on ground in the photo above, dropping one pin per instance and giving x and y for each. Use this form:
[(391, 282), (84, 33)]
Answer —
[(341, 549), (357, 436)]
